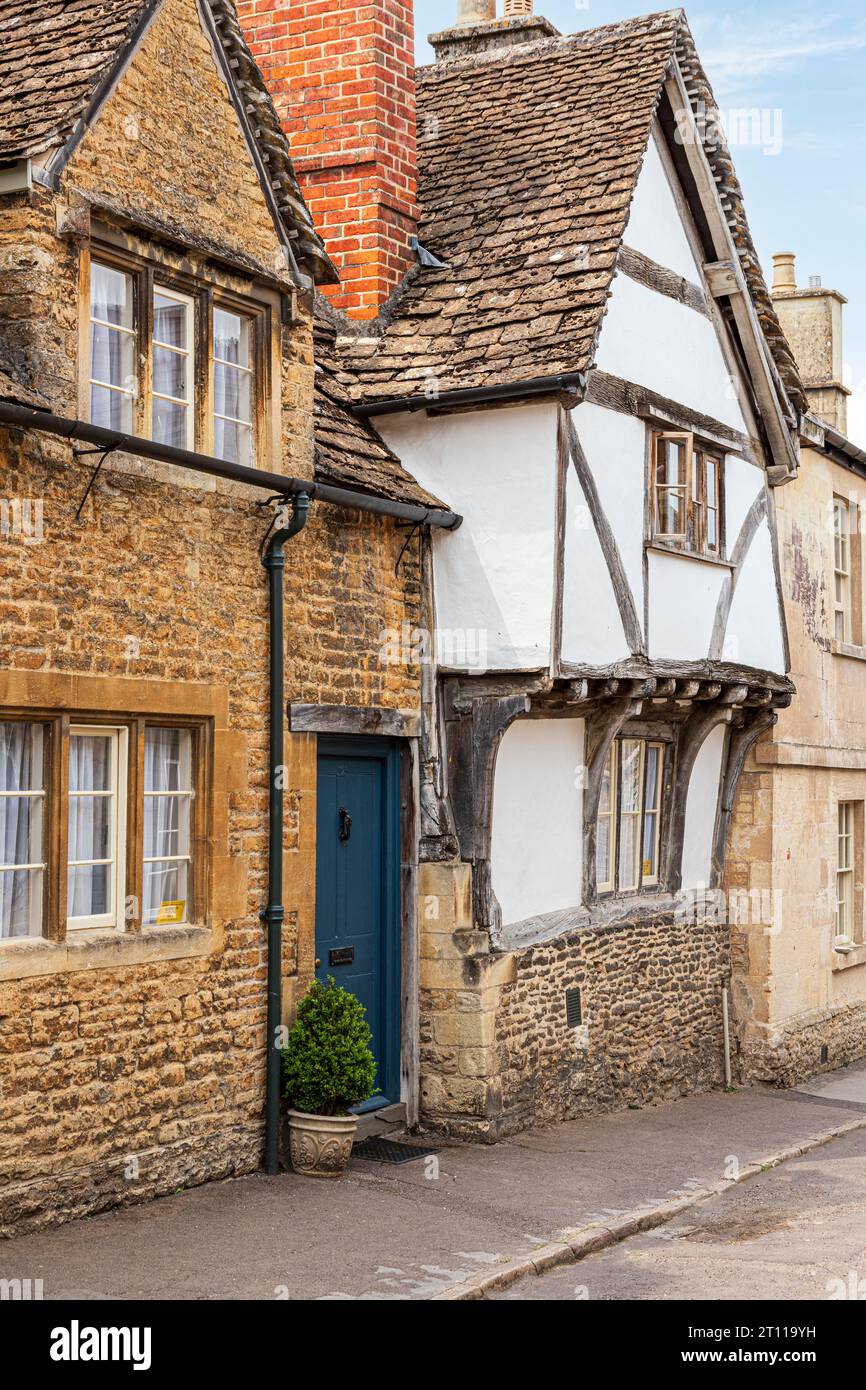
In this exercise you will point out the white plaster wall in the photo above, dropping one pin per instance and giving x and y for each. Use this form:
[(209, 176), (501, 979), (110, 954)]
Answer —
[(701, 806), (615, 448), (654, 225), (536, 852), (754, 631), (656, 342), (743, 483), (683, 594), (592, 631), (494, 576)]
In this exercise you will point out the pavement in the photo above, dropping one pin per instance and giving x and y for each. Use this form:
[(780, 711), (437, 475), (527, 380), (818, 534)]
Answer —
[(455, 1225)]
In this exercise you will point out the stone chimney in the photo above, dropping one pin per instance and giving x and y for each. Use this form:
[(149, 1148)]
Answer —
[(812, 320), (479, 31), (341, 75)]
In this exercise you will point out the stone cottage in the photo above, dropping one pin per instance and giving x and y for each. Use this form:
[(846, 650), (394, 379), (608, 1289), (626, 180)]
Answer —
[(158, 397)]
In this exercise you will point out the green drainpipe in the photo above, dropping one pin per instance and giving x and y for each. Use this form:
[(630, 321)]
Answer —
[(274, 561)]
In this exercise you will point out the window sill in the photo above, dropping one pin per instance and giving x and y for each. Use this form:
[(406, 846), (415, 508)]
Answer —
[(660, 548), (851, 649), (846, 957), (103, 949)]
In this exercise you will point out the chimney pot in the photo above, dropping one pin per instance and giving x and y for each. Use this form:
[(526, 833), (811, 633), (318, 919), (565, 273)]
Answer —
[(815, 282), (517, 7), (475, 11), (785, 271)]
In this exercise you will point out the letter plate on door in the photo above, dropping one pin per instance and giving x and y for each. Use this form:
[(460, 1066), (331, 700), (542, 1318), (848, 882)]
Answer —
[(344, 955)]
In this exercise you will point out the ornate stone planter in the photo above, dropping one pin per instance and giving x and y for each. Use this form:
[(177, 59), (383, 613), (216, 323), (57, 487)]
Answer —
[(320, 1145)]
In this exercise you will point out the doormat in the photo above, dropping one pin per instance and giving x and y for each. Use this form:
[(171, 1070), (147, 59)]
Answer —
[(377, 1150)]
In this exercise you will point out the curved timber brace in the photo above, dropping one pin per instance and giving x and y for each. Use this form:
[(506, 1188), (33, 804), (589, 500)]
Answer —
[(473, 729)]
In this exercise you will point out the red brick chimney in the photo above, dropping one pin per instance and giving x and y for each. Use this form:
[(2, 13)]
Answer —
[(341, 74)]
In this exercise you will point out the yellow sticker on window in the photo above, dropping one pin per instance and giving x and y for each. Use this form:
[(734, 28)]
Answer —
[(171, 912), (647, 868)]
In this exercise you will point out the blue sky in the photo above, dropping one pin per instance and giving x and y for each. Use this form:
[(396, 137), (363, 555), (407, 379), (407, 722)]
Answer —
[(806, 61)]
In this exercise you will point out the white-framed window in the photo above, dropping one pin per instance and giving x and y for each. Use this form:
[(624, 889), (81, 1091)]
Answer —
[(168, 808), (96, 844), (233, 386), (842, 569), (113, 373), (22, 827), (628, 830), (845, 851), (173, 369)]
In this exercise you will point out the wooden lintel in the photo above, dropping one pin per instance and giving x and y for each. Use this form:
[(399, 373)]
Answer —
[(353, 719)]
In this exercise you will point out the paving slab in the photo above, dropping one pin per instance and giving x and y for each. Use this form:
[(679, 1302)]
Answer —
[(421, 1229)]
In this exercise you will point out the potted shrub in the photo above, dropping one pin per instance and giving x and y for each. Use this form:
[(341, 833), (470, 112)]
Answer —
[(327, 1067)]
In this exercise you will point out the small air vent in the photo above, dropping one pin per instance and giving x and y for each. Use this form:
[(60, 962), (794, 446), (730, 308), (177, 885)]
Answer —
[(573, 1009), (825, 1054)]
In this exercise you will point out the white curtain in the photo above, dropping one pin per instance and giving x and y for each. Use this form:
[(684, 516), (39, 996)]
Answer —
[(89, 892), (18, 744)]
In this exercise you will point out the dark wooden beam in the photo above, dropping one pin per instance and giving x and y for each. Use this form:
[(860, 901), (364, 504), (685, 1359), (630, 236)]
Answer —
[(613, 393), (657, 277), (353, 719)]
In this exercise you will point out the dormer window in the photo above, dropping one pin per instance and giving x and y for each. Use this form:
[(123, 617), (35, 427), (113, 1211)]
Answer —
[(686, 495), (179, 361)]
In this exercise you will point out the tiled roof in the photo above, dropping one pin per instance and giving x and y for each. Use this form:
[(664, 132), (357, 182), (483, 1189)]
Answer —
[(528, 161), (349, 453), (55, 56)]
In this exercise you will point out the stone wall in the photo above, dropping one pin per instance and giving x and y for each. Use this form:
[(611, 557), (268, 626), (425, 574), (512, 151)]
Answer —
[(497, 1051), (132, 1063)]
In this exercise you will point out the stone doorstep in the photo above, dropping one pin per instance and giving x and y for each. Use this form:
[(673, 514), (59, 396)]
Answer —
[(391, 1119), (588, 1240)]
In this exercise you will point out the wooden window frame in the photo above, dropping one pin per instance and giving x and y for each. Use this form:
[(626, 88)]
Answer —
[(119, 790), (611, 887), (692, 540), (150, 272), (57, 726)]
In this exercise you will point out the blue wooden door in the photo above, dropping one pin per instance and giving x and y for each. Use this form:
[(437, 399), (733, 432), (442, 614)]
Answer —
[(358, 888)]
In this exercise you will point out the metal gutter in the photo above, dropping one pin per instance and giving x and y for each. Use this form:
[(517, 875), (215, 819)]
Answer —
[(27, 417), (568, 383)]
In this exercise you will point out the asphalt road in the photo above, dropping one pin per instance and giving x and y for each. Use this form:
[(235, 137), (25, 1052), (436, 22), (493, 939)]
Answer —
[(797, 1232)]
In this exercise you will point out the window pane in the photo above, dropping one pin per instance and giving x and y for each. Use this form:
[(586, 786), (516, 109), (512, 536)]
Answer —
[(233, 442), (170, 423), (171, 373), (112, 410), (111, 356), (672, 512), (111, 295), (170, 320), (89, 762), (231, 337), (20, 757), (166, 892), (20, 830), (89, 890), (89, 827), (712, 529), (602, 850), (232, 392), (21, 893), (630, 786), (167, 760), (629, 835), (650, 845), (672, 463), (604, 803), (652, 776)]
